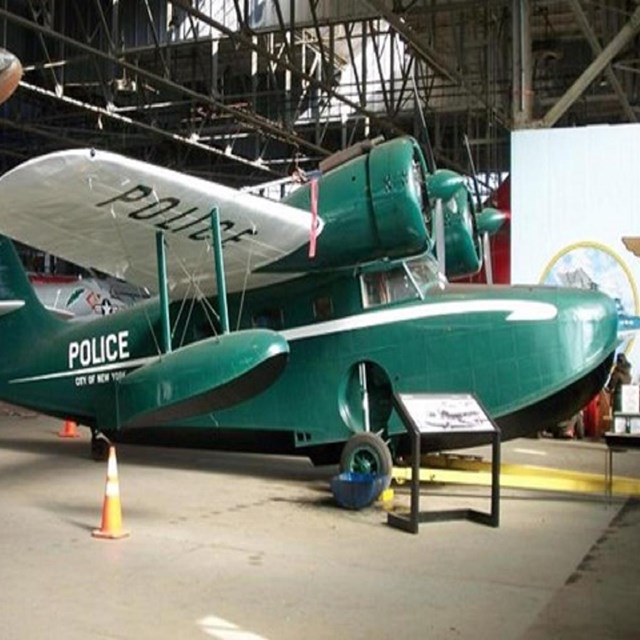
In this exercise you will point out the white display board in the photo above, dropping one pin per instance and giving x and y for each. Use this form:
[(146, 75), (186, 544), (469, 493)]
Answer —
[(446, 413), (574, 194), (630, 398)]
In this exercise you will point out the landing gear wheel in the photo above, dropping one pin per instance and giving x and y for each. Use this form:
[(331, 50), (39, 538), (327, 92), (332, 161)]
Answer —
[(99, 447), (367, 452)]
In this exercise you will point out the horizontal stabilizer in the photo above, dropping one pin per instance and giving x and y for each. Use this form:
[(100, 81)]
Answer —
[(60, 313), (7, 306), (209, 375)]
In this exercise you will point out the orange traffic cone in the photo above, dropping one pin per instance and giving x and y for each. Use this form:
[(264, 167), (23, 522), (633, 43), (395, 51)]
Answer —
[(111, 526), (68, 430)]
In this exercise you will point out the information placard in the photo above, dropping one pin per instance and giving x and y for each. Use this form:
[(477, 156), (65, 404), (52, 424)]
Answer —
[(446, 413)]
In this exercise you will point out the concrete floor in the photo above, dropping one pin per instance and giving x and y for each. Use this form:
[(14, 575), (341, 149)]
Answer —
[(241, 547)]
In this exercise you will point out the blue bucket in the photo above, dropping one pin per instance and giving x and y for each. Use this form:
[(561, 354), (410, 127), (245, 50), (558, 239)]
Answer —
[(357, 490)]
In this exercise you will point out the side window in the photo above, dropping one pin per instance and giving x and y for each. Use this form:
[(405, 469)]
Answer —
[(400, 285), (375, 289), (323, 308), (384, 287), (268, 319)]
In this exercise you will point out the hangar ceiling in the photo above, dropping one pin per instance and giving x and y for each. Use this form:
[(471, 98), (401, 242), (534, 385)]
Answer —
[(243, 91)]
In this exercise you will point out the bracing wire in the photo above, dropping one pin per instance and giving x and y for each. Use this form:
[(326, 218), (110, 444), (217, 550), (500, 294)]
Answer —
[(244, 288), (207, 307), (130, 261)]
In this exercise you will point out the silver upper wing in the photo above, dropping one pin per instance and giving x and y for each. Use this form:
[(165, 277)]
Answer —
[(98, 209)]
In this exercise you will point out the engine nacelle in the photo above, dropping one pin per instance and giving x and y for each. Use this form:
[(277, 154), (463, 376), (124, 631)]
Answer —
[(372, 206), (463, 251), (463, 227)]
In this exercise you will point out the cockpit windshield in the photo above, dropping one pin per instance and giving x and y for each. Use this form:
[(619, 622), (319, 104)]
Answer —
[(409, 280), (425, 272)]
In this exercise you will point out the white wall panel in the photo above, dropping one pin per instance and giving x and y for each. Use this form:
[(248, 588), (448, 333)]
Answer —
[(575, 194)]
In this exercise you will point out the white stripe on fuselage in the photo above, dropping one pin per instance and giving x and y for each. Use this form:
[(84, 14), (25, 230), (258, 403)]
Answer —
[(518, 310), (125, 364)]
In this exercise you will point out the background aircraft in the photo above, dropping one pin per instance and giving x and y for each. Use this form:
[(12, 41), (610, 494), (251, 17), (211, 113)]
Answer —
[(84, 298), (334, 296), (10, 74)]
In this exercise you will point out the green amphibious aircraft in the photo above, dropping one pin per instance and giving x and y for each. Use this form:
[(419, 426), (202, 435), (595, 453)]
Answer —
[(334, 296)]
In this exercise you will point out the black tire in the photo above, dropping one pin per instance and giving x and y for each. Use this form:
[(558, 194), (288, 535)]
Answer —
[(367, 452), (99, 448)]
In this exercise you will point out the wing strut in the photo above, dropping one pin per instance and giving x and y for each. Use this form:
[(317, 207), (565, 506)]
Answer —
[(164, 294), (219, 264), (440, 237)]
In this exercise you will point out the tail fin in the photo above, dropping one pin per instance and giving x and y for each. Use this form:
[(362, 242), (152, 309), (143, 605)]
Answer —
[(23, 319)]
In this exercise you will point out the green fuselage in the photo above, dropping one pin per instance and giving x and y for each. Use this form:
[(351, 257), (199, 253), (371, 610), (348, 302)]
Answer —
[(316, 357), (350, 347), (511, 347)]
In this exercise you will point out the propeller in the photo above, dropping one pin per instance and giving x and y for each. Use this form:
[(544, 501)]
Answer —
[(470, 247), (487, 220)]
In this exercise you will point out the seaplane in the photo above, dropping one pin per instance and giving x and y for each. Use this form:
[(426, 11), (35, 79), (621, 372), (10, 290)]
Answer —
[(284, 326)]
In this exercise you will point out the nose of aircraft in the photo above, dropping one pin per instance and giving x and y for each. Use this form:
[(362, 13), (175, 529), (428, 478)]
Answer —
[(563, 362), (586, 330)]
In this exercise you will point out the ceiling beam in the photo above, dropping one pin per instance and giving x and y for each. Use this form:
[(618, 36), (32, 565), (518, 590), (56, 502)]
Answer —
[(259, 123), (125, 120), (624, 36), (239, 36), (432, 57), (597, 50)]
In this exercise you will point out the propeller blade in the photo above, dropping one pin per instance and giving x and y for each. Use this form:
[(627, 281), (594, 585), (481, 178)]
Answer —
[(440, 241), (488, 264)]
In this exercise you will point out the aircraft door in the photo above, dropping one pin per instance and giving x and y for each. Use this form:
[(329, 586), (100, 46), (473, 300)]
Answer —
[(365, 401)]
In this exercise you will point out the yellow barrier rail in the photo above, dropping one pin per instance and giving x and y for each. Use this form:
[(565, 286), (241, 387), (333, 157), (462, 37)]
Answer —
[(472, 471)]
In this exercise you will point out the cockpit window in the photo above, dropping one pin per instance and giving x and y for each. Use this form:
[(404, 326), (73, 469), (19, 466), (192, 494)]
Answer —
[(403, 281), (425, 272)]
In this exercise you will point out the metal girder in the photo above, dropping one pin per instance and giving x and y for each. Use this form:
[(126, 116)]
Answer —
[(43, 133), (101, 111), (261, 124), (597, 50), (239, 36), (426, 52), (522, 68), (624, 36), (429, 55)]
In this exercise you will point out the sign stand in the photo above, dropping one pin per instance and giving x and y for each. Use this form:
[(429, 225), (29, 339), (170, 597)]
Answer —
[(418, 418)]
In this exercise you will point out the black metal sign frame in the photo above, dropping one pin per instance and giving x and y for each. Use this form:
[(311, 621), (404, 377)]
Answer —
[(410, 522)]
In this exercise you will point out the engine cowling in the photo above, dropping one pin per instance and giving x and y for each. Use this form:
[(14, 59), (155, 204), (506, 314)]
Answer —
[(376, 202), (372, 206), (464, 227), (463, 251)]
